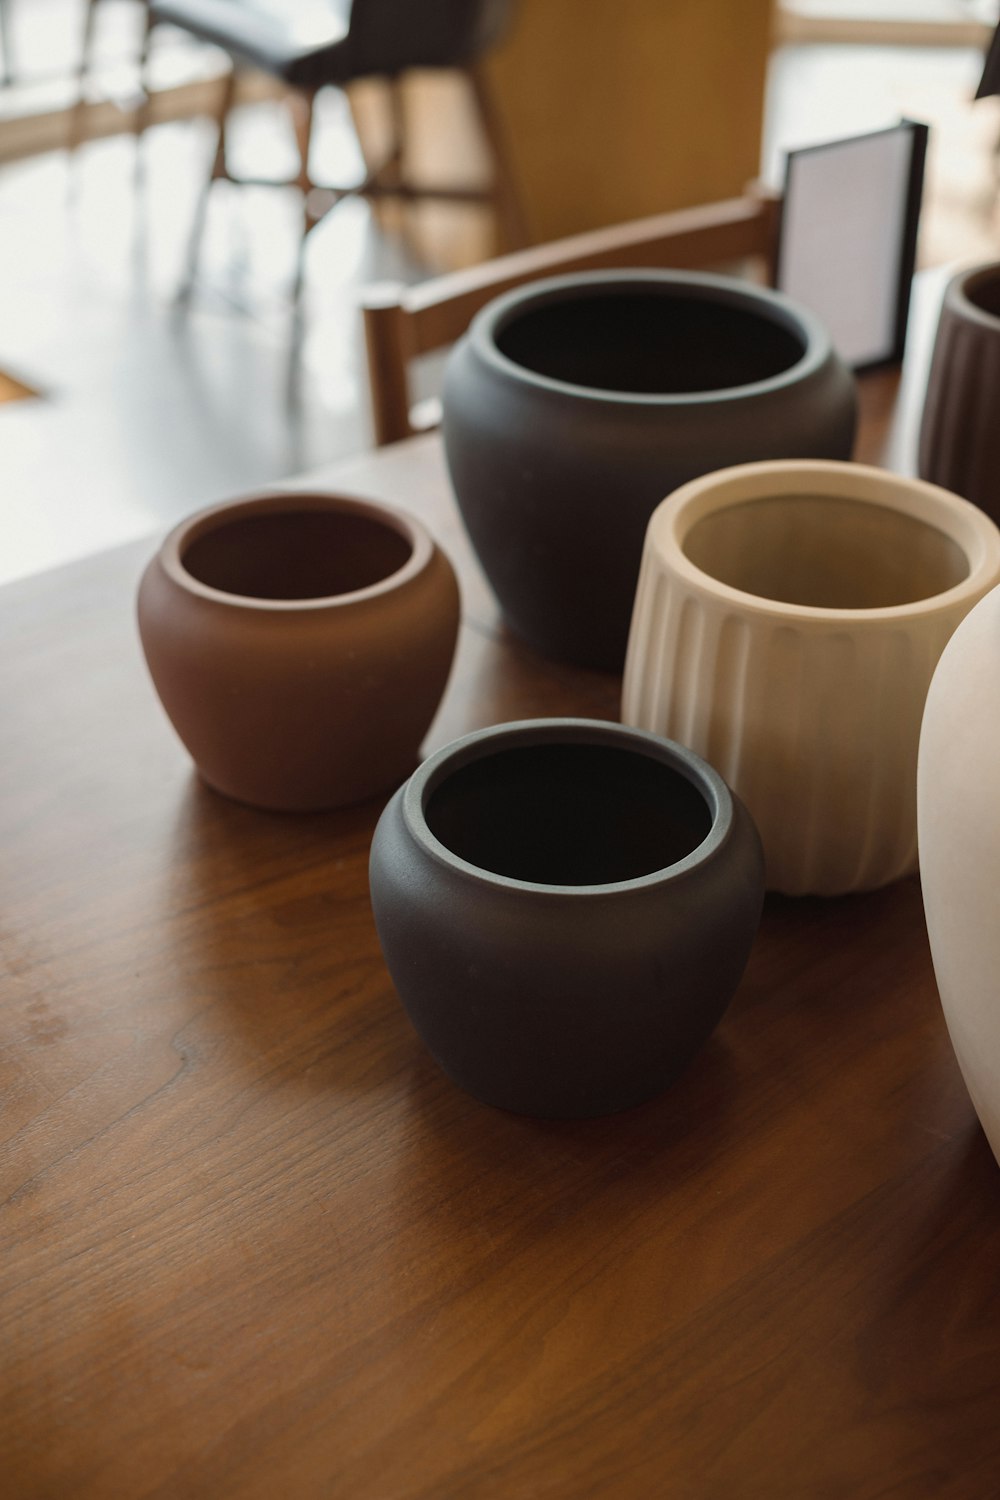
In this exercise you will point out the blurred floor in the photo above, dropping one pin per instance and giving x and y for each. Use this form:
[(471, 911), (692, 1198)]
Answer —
[(146, 413), (147, 410)]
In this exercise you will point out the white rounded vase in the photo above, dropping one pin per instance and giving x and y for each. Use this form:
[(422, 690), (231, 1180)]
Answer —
[(958, 800), (788, 620)]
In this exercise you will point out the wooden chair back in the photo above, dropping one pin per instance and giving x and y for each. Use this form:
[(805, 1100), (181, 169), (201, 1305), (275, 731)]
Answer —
[(402, 323)]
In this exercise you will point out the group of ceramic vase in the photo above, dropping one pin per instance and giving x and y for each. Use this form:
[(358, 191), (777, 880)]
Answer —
[(654, 471)]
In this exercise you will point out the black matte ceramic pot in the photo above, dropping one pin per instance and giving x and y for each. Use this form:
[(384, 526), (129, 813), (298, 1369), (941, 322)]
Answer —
[(566, 908), (573, 406)]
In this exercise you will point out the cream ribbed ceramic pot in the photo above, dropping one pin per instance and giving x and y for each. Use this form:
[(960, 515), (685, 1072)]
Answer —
[(958, 803), (788, 619)]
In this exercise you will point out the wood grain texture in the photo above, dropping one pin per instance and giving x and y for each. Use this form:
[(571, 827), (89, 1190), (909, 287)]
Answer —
[(253, 1243)]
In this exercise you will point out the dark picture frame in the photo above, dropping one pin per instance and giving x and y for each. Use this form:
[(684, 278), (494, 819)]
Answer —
[(847, 237)]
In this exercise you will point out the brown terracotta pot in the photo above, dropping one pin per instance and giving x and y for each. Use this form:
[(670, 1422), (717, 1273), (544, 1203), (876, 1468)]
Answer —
[(300, 644)]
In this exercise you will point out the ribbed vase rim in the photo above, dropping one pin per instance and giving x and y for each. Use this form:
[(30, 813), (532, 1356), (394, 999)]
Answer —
[(963, 523)]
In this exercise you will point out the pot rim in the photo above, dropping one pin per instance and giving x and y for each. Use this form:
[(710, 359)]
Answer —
[(520, 732), (963, 523), (958, 300), (271, 502), (772, 306)]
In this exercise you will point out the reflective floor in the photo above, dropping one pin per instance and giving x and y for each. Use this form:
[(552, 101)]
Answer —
[(148, 409)]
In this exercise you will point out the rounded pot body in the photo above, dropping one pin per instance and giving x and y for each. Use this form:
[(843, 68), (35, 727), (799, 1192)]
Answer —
[(788, 620), (958, 795), (566, 908), (572, 406), (959, 443), (300, 644)]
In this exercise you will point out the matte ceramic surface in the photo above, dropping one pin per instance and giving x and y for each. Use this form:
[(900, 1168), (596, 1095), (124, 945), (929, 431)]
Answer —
[(566, 908), (300, 644), (573, 405), (958, 787), (787, 622), (959, 431)]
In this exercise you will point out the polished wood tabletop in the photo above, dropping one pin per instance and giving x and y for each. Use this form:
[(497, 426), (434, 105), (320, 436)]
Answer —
[(253, 1243)]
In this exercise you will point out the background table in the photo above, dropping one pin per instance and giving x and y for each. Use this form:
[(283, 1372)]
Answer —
[(253, 1243)]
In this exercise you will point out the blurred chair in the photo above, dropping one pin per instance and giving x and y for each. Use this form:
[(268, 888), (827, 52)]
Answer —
[(309, 44), (840, 238)]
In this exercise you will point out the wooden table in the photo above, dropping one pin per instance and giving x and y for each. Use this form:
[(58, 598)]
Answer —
[(254, 1244)]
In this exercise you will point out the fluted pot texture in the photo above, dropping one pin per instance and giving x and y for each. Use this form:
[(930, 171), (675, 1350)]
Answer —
[(573, 405), (959, 432), (788, 620), (958, 785), (300, 644)]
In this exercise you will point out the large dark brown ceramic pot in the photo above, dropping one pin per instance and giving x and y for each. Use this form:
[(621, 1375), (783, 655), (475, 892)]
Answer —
[(573, 406), (300, 644), (566, 908), (959, 431)]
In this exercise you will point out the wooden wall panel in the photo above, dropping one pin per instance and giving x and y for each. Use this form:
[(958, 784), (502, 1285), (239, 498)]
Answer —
[(618, 108)]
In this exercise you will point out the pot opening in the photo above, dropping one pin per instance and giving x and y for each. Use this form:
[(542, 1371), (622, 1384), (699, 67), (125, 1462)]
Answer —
[(983, 291), (649, 342), (825, 552), (568, 814), (296, 554)]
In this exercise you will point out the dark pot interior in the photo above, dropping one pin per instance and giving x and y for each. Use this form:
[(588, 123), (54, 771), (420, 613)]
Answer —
[(649, 342), (983, 291), (296, 554), (568, 814), (825, 552)]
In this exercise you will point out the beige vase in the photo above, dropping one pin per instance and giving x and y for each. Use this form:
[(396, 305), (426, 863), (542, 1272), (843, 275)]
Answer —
[(958, 786), (788, 620)]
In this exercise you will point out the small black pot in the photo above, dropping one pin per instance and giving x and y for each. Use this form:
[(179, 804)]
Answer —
[(566, 907), (573, 406)]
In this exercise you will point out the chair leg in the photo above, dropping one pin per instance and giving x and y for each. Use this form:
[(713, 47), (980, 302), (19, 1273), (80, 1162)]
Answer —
[(391, 170), (79, 109), (140, 119), (506, 199), (302, 107), (143, 110), (393, 214), (218, 171)]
